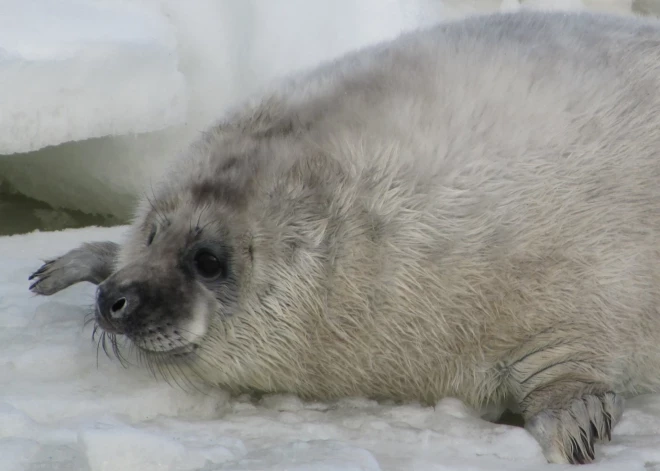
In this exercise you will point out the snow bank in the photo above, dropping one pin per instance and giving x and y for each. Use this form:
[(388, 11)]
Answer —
[(71, 70), (227, 50), (59, 410), (224, 50)]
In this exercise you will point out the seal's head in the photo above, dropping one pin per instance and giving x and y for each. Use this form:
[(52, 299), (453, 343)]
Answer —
[(182, 264), (163, 296), (209, 266)]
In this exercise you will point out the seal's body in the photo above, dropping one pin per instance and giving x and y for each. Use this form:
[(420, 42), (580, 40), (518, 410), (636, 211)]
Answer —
[(472, 210)]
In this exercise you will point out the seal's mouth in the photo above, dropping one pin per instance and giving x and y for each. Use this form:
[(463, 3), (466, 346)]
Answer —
[(153, 324), (159, 340), (173, 365), (158, 347), (151, 351), (179, 352), (153, 319)]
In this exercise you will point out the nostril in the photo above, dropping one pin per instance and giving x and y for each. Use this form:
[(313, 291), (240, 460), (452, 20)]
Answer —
[(118, 306)]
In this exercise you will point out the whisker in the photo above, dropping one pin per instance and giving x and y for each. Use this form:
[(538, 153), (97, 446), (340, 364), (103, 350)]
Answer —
[(89, 317), (98, 347), (164, 218), (182, 371), (199, 217), (159, 370), (144, 360), (105, 348), (169, 365), (117, 352), (176, 371), (188, 343), (191, 367), (159, 218), (88, 320), (159, 366)]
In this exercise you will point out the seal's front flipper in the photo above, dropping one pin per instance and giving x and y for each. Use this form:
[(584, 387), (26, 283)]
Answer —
[(92, 262)]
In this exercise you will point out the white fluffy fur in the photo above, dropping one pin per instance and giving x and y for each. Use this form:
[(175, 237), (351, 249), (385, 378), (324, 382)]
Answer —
[(472, 210)]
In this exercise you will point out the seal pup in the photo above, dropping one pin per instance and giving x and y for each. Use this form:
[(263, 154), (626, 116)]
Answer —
[(470, 210)]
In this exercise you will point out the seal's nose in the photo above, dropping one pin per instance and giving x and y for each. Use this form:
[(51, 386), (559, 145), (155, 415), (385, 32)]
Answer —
[(118, 308), (114, 304)]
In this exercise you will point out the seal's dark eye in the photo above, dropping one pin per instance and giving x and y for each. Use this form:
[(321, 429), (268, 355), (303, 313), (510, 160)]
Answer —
[(208, 265)]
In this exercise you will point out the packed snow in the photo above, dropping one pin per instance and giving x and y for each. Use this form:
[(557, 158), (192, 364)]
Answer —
[(66, 406), (71, 70)]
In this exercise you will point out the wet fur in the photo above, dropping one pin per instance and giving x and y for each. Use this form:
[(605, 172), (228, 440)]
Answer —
[(471, 210)]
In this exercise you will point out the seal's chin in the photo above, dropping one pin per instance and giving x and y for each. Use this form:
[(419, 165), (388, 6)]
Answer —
[(176, 352), (163, 343), (156, 340)]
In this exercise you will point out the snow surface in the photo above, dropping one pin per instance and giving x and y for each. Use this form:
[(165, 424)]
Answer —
[(72, 70), (108, 67), (60, 410)]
